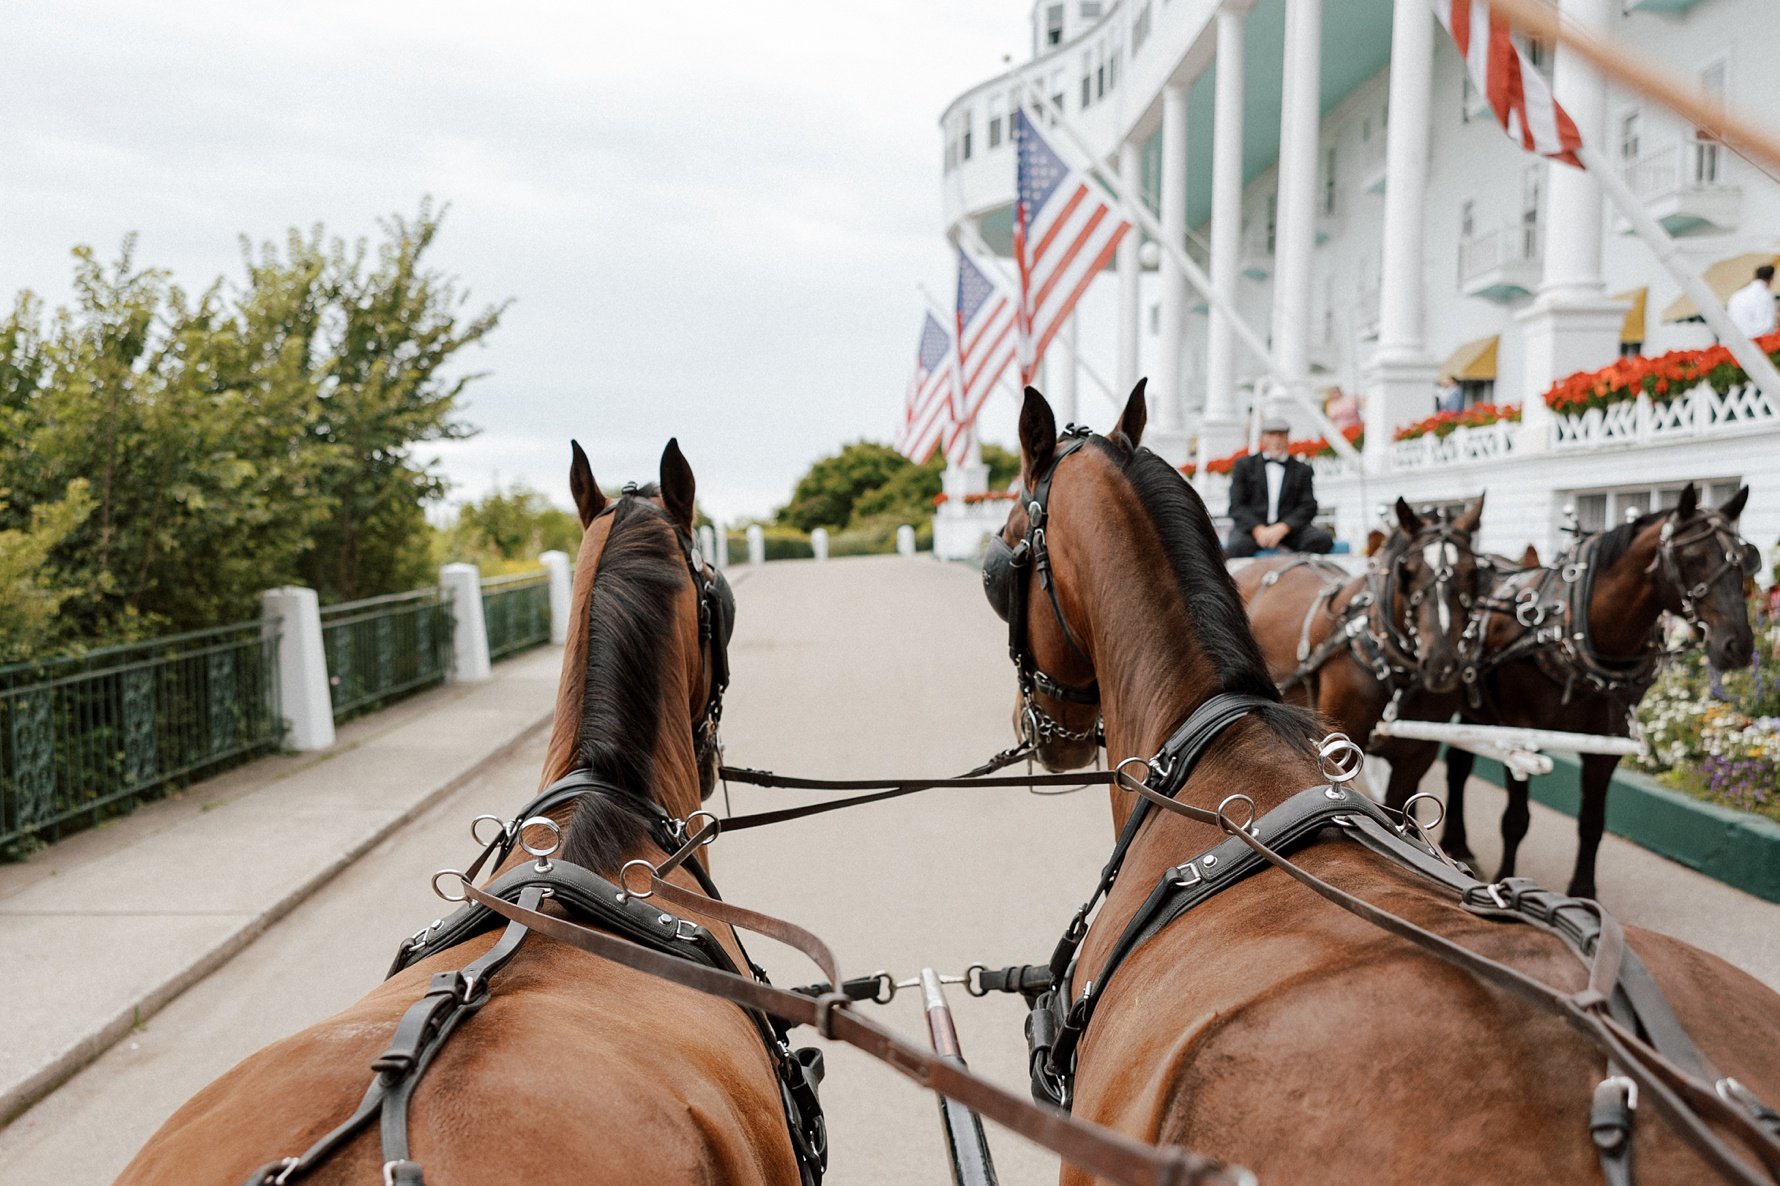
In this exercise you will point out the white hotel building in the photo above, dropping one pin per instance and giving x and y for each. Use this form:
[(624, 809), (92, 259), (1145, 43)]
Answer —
[(1329, 166)]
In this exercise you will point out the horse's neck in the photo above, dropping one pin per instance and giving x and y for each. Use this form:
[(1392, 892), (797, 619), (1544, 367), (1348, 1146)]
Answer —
[(1624, 604), (1152, 678)]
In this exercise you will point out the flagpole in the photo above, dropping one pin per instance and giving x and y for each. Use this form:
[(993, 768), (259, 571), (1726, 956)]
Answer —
[(983, 251), (1753, 359), (1140, 214), (1535, 17)]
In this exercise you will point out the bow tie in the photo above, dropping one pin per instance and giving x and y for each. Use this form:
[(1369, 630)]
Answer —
[(1275, 460)]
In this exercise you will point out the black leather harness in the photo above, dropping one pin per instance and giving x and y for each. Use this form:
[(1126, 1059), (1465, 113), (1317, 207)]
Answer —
[(453, 997)]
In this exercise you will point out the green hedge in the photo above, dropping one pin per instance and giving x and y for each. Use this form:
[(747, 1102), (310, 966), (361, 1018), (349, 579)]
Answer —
[(874, 537)]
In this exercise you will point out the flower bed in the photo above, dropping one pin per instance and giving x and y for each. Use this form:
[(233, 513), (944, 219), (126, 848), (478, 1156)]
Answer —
[(1442, 424), (1304, 450), (1717, 737), (1662, 378)]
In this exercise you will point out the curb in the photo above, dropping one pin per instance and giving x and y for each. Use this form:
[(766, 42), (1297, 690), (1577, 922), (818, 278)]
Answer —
[(21, 1096), (1735, 847)]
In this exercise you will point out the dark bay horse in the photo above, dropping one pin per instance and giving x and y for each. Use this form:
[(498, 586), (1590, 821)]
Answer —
[(1575, 646), (576, 1069), (1347, 646), (1265, 1026)]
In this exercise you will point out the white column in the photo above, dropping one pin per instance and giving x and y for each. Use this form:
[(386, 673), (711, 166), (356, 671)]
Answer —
[(1400, 387), (1130, 290), (1064, 375), (463, 589), (1220, 432), (1166, 399), (302, 666), (1571, 325), (557, 563), (719, 545), (1295, 239), (756, 544), (905, 540), (819, 543)]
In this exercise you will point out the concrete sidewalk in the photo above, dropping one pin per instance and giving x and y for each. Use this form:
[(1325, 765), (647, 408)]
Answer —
[(103, 929)]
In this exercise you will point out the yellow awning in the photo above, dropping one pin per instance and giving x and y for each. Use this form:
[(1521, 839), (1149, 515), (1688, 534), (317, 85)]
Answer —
[(1473, 362), (1633, 329), (1723, 278)]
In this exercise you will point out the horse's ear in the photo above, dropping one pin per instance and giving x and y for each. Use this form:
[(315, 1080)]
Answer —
[(589, 499), (1732, 509), (1406, 516), (1530, 557), (1469, 519), (1038, 433), (1135, 415), (678, 489), (1690, 502)]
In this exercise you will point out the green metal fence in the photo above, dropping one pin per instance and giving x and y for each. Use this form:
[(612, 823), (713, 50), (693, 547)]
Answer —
[(89, 736), (517, 611), (383, 648)]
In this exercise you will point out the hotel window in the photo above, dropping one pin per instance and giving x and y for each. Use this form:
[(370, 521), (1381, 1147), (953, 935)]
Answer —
[(1090, 10), (1140, 28), (1467, 219), (1714, 81), (1631, 127), (1112, 62), (1087, 78), (1598, 510), (1056, 96), (1540, 55), (995, 103), (964, 136), (1100, 75), (1532, 181), (1272, 221), (1054, 24), (1329, 181)]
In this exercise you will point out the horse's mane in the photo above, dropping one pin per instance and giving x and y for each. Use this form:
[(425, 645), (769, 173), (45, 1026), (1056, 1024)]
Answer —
[(629, 622), (1614, 543), (1196, 557)]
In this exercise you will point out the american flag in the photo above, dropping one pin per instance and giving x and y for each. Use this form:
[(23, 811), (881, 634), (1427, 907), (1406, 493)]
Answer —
[(1517, 92), (927, 408), (1064, 232), (985, 324)]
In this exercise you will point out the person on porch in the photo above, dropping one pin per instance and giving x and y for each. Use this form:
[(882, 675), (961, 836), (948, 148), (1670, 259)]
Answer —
[(1272, 501), (1752, 306)]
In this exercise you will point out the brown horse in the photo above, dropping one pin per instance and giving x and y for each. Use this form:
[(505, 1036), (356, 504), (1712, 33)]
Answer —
[(575, 1069), (1264, 1026), (1575, 647), (1348, 647)]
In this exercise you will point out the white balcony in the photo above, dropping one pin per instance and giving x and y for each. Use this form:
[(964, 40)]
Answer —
[(1501, 264), (1702, 412), (1681, 186), (1491, 442)]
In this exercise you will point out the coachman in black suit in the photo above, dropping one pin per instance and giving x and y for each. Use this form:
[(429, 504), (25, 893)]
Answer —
[(1256, 522)]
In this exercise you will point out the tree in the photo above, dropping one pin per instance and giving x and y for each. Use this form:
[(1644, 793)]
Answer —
[(31, 589), (824, 496), (510, 527)]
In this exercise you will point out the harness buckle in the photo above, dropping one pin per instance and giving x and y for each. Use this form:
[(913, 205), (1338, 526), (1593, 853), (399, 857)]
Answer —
[(290, 1165), (1179, 875)]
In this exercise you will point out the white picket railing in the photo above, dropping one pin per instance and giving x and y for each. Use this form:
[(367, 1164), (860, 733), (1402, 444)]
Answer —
[(1488, 442), (1700, 412)]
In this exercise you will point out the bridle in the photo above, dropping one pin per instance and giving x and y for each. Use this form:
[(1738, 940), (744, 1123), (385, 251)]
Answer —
[(1007, 576), (1737, 554)]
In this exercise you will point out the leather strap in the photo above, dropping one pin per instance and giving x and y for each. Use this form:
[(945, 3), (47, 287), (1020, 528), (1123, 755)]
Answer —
[(1095, 1149)]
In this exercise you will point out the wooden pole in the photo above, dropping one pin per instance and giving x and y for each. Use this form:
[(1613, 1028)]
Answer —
[(1537, 18)]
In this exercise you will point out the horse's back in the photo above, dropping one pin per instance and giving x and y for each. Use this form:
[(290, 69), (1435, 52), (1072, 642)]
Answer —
[(595, 1070), (1314, 1047)]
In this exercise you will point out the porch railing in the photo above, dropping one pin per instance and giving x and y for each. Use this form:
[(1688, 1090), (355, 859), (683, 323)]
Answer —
[(92, 735)]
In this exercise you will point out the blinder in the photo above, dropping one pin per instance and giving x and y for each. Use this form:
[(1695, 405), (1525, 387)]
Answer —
[(1004, 570), (1751, 559)]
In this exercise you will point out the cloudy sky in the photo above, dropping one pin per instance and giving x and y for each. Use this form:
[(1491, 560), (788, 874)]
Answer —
[(711, 217)]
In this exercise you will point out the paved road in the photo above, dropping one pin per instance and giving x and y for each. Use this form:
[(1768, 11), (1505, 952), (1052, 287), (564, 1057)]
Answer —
[(852, 667)]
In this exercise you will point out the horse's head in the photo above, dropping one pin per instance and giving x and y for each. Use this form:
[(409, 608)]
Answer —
[(1434, 576), (1701, 564), (1083, 572), (646, 660)]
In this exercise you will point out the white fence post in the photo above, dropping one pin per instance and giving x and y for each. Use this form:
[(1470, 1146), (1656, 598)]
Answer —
[(463, 589), (756, 544), (719, 554), (302, 666), (905, 540), (819, 543), (558, 565), (707, 544)]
